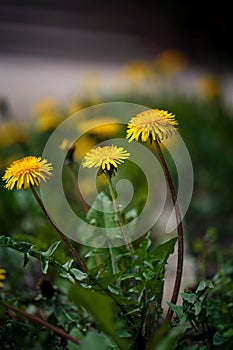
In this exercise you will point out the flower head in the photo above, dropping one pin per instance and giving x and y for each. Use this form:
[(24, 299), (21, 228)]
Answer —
[(152, 124), (27, 172), (2, 276), (107, 158)]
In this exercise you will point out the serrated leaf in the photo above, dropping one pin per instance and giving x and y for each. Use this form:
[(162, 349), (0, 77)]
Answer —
[(109, 279), (22, 247), (102, 308), (190, 297), (44, 263), (49, 252), (143, 248), (66, 274), (162, 251), (68, 264), (102, 215), (79, 275), (44, 256), (177, 309), (203, 285)]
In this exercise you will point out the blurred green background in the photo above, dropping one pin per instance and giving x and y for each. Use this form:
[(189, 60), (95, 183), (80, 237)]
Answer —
[(56, 60)]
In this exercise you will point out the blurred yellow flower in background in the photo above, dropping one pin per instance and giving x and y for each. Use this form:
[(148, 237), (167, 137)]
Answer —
[(48, 114), (208, 87), (48, 121), (79, 148), (152, 124), (66, 145), (74, 107), (106, 126), (170, 62), (137, 71), (12, 132), (45, 105), (27, 172), (2, 277), (91, 82)]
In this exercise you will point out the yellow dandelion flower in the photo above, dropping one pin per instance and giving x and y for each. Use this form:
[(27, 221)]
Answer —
[(152, 124), (2, 276), (27, 172), (107, 158)]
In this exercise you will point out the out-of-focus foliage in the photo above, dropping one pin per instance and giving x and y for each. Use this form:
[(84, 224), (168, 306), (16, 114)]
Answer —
[(205, 123)]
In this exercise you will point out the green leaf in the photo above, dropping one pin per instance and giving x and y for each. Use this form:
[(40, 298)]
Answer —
[(68, 264), (166, 338), (51, 249), (76, 333), (143, 248), (218, 339), (190, 297), (203, 285), (103, 309), (79, 275), (102, 214), (94, 341), (23, 247), (177, 309), (44, 257), (162, 251)]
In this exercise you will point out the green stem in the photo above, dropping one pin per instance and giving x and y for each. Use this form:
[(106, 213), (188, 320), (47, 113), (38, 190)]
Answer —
[(40, 321), (65, 240), (112, 260), (125, 234), (180, 258)]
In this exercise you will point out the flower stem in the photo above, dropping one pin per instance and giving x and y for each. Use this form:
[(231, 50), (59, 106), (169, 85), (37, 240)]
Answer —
[(180, 258), (65, 240), (125, 234), (112, 260), (40, 321)]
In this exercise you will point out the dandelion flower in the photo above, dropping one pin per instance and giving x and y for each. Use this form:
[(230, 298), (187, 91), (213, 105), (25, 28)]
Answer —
[(27, 172), (152, 124), (2, 276), (107, 158)]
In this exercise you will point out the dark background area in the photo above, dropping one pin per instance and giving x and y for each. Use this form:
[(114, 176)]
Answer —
[(55, 28)]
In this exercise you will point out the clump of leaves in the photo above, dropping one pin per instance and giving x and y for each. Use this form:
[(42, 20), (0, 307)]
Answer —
[(207, 313), (119, 310)]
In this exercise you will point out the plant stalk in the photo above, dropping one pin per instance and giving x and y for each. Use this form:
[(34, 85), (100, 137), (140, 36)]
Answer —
[(125, 234), (40, 321), (65, 240), (180, 258)]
